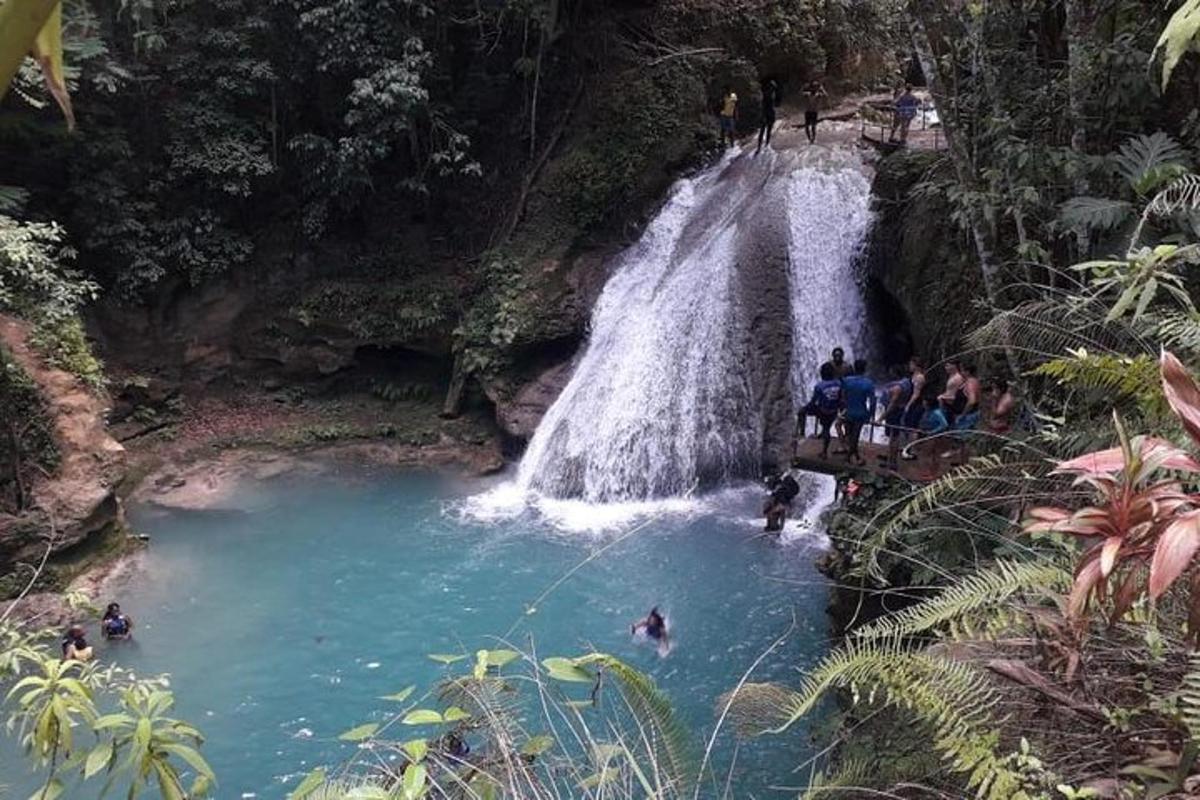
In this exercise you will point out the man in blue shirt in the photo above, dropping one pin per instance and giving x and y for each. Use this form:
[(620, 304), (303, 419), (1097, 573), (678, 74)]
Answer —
[(858, 398), (824, 405), (906, 107)]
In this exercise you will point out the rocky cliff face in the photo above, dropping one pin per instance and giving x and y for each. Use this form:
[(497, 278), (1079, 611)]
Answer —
[(921, 267), (78, 499)]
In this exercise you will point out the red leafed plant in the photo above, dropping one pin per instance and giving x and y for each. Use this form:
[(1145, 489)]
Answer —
[(1144, 517)]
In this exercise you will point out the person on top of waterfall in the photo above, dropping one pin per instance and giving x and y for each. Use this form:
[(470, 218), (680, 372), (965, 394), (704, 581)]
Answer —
[(728, 116), (770, 99), (813, 94), (858, 398), (904, 112)]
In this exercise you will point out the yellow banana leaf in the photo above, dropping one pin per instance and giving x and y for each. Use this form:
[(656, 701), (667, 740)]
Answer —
[(34, 27), (48, 50)]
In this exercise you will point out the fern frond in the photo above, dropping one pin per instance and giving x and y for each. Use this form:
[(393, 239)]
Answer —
[(1007, 473), (952, 699), (1181, 196), (1180, 330), (1094, 213), (985, 590), (1189, 697), (1045, 329), (671, 738), (1150, 161), (850, 773), (1121, 377)]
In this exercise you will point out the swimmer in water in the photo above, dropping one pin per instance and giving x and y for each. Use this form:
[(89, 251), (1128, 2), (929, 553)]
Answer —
[(655, 627)]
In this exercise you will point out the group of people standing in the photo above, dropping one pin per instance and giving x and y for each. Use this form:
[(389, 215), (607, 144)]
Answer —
[(812, 96), (846, 399), (905, 106)]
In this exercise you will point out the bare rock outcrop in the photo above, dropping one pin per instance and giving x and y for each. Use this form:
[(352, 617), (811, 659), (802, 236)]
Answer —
[(79, 498)]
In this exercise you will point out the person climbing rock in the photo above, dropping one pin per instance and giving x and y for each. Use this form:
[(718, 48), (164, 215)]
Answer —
[(904, 112), (75, 646), (858, 398), (115, 625), (770, 99), (728, 115), (784, 490), (814, 93)]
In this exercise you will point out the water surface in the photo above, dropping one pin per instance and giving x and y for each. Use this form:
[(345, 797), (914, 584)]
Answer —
[(282, 625)]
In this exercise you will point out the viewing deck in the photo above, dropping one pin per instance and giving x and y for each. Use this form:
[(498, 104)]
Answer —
[(808, 458)]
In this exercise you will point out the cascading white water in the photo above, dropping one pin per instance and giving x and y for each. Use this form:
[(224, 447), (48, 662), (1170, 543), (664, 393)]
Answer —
[(709, 331)]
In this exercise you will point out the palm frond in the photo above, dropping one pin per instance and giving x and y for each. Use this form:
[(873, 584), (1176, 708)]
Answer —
[(953, 700), (984, 591)]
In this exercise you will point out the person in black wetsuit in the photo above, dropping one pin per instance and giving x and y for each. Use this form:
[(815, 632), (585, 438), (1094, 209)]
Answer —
[(770, 99)]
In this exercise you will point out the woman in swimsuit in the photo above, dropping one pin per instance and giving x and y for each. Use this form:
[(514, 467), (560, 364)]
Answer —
[(655, 627)]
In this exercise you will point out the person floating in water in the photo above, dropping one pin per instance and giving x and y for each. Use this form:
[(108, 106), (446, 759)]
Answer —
[(75, 646), (654, 627), (813, 94), (728, 114), (115, 625), (770, 99)]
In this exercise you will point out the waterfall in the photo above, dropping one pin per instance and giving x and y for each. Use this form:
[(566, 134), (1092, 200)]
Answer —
[(710, 330)]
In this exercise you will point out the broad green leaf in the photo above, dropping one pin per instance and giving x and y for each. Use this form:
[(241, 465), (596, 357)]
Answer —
[(537, 745), (309, 785), (416, 749), (192, 757), (311, 782), (422, 716), (360, 733), (368, 793), (455, 714), (52, 790), (98, 758), (414, 782), (400, 696), (564, 669), (499, 658), (445, 658)]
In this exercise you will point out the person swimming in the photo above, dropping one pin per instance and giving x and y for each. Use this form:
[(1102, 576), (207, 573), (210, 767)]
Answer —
[(654, 626), (115, 625), (75, 646)]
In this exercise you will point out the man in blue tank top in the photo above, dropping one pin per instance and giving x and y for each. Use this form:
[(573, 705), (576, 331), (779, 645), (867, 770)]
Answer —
[(858, 396)]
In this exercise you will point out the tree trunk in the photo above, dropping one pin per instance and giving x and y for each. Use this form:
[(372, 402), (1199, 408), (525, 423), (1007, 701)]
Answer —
[(982, 217), (1080, 15)]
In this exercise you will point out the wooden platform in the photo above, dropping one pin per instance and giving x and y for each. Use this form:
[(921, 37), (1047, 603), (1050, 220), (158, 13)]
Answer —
[(808, 458)]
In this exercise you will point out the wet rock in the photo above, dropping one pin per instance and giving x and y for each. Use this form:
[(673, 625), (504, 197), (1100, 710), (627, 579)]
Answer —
[(519, 415)]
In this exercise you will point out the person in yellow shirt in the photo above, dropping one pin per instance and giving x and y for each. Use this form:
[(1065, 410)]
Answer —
[(729, 104)]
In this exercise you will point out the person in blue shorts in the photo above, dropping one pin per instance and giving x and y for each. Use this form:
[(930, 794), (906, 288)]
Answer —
[(896, 394), (858, 398)]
